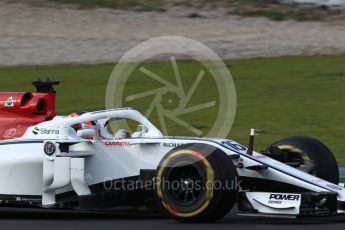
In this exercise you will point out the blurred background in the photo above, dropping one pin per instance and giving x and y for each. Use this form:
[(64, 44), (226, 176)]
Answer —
[(286, 57)]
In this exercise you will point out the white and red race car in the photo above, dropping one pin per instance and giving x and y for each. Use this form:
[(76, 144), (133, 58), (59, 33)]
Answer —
[(76, 162)]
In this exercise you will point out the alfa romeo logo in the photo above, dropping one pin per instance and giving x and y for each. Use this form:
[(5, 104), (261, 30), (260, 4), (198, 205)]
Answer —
[(194, 98), (49, 148)]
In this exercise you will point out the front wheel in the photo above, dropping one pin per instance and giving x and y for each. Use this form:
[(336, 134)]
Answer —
[(196, 183), (308, 155)]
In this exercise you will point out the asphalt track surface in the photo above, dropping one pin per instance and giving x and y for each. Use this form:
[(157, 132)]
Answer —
[(28, 219)]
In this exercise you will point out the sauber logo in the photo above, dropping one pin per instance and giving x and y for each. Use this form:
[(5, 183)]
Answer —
[(116, 143)]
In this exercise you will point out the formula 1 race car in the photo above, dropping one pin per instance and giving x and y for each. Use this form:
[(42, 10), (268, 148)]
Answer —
[(77, 162)]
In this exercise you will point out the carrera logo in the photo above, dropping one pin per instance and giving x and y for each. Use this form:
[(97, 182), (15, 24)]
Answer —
[(284, 197), (116, 143), (44, 131)]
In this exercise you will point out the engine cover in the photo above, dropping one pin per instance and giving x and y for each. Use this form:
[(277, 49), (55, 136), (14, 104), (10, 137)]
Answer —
[(18, 111)]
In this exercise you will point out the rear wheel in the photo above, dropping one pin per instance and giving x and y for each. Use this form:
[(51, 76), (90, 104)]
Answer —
[(196, 183), (308, 155)]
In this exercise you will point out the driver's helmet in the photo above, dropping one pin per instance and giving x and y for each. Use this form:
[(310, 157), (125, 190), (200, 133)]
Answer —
[(86, 125)]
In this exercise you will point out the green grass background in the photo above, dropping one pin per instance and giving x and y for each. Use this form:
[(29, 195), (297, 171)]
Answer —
[(281, 96)]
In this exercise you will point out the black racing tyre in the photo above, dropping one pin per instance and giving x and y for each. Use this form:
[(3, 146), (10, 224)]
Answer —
[(309, 154), (196, 183)]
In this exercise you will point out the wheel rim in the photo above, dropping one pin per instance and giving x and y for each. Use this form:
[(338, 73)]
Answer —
[(186, 182), (298, 158)]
